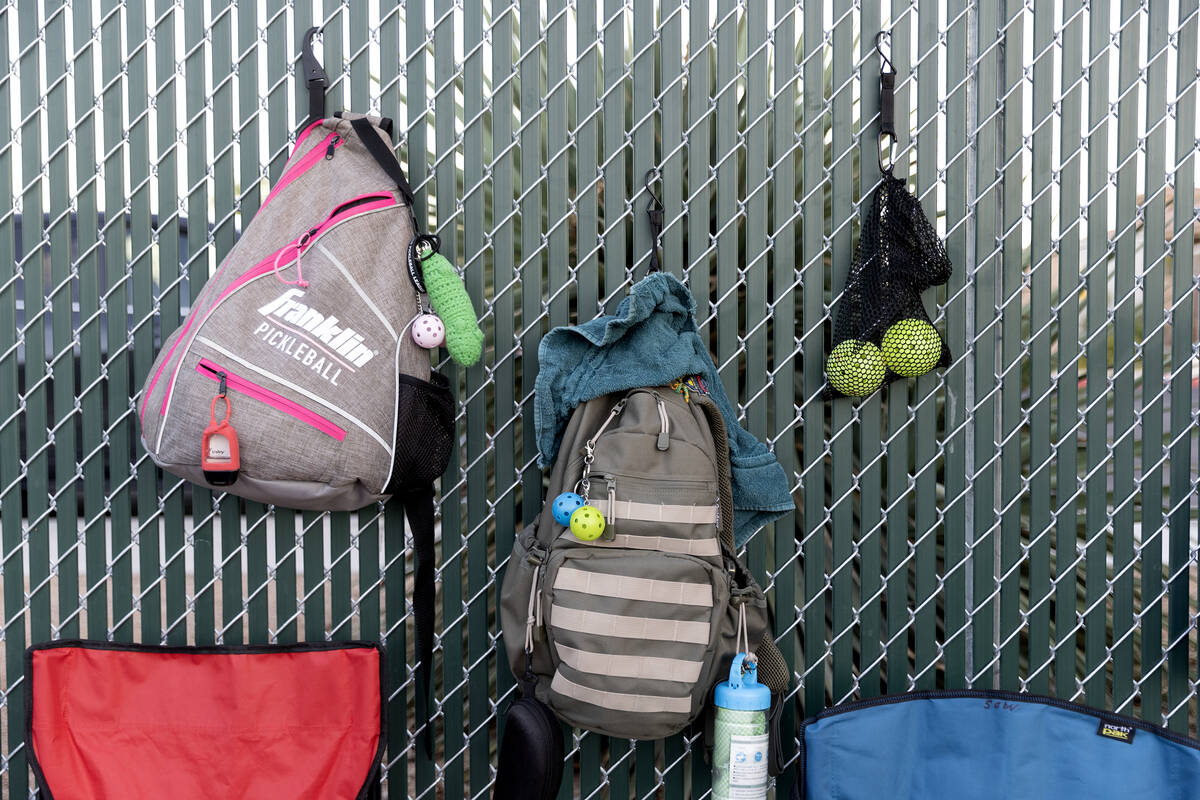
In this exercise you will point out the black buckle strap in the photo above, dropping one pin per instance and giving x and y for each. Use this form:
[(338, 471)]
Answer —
[(887, 103), (654, 211), (383, 156), (314, 77), (418, 507)]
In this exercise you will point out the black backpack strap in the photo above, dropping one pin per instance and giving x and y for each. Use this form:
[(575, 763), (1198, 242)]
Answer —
[(418, 506), (383, 156), (314, 78)]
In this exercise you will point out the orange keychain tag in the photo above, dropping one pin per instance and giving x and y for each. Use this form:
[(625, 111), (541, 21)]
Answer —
[(219, 447)]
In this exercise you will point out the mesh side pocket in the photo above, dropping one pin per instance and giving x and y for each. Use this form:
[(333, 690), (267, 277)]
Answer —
[(424, 431)]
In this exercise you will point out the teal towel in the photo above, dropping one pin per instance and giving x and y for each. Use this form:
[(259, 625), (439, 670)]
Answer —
[(652, 340)]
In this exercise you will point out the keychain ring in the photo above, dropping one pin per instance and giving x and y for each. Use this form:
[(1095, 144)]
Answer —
[(213, 409)]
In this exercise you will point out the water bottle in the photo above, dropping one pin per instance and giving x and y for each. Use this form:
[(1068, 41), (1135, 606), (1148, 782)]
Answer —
[(740, 734)]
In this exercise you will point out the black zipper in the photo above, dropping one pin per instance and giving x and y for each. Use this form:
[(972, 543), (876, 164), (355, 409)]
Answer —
[(331, 148), (358, 201), (221, 376)]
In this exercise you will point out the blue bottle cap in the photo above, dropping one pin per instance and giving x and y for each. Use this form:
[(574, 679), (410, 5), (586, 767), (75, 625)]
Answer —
[(742, 692)]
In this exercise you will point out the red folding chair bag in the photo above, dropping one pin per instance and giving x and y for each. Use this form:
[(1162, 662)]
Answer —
[(129, 721)]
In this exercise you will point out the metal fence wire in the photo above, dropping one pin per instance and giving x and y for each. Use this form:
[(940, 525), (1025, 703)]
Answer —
[(1026, 519)]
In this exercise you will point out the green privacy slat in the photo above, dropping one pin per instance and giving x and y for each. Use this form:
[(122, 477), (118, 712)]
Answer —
[(474, 203), (415, 50), (642, 128), (532, 256), (785, 302), (258, 585), (341, 618), (614, 152), (982, 452), (588, 180), (91, 388), (699, 141), (841, 442), (673, 153), (58, 304), (1153, 452), (399, 675), (1041, 267), (1067, 509), (224, 524), (11, 524), (722, 330), (1121, 308), (754, 262), (870, 439), (451, 554), (250, 614), (168, 178), (954, 530), (589, 171), (1012, 354), (140, 268), (1182, 500), (1095, 619), (928, 442), (812, 345), (615, 255), (36, 289), (232, 622), (383, 539), (504, 278), (899, 422)]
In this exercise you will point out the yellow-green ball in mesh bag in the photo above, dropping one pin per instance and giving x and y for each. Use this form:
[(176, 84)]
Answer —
[(855, 368), (911, 347)]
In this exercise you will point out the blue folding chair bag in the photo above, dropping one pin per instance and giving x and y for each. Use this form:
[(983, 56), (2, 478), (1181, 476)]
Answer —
[(990, 746)]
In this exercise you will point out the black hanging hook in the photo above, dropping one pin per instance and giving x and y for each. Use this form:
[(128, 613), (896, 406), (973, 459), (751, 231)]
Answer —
[(887, 105), (315, 77), (654, 210), (879, 37)]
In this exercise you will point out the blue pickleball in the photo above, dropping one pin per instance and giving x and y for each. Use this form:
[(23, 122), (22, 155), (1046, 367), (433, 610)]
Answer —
[(564, 506)]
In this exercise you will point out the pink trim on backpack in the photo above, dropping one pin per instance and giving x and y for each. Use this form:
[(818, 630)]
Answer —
[(304, 135), (276, 401), (292, 174), (310, 160), (385, 200)]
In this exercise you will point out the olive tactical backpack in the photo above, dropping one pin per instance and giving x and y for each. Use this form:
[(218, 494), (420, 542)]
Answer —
[(627, 634)]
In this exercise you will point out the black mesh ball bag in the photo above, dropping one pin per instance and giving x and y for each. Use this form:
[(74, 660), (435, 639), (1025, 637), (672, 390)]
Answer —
[(881, 330)]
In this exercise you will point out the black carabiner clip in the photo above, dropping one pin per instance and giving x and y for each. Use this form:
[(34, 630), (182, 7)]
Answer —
[(887, 104)]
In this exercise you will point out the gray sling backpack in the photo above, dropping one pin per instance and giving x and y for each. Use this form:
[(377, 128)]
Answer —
[(295, 379), (627, 634)]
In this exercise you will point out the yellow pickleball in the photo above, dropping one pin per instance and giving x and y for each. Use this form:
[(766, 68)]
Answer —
[(911, 347), (587, 523), (855, 368)]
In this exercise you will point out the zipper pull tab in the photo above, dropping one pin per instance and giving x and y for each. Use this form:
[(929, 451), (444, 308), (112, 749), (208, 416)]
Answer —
[(664, 431), (329, 149), (221, 392)]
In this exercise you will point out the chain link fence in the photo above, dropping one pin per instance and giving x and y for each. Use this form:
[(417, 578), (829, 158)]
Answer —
[(1026, 519)]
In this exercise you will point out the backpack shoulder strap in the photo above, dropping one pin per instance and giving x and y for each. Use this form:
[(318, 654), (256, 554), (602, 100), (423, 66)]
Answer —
[(716, 426), (383, 155)]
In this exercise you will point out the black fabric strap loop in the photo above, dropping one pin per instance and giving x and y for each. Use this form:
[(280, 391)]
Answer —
[(383, 156), (419, 507), (654, 212), (314, 77)]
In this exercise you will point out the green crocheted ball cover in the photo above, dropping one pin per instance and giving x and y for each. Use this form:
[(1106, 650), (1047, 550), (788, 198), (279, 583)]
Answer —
[(450, 301)]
